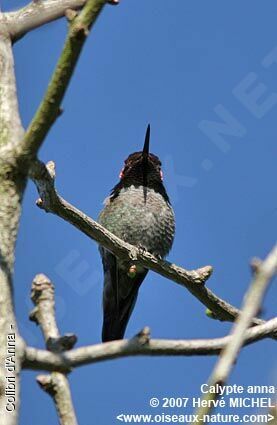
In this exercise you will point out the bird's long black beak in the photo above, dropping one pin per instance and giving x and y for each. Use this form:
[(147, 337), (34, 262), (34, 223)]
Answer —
[(146, 142), (145, 154)]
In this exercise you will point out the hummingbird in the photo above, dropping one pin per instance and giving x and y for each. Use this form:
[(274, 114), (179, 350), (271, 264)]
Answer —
[(139, 212)]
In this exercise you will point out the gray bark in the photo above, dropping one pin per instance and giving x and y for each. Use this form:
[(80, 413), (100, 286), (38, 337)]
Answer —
[(12, 186)]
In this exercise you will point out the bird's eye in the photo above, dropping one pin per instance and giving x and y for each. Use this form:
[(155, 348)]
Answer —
[(161, 175)]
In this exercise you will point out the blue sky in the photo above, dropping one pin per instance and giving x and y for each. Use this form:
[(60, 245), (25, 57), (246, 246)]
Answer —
[(176, 65)]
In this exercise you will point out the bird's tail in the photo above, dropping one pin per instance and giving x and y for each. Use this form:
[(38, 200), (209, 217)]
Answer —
[(116, 318), (119, 297)]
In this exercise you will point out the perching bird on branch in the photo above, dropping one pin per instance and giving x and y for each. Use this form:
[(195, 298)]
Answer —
[(139, 212)]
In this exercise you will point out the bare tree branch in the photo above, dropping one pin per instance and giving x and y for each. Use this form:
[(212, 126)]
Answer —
[(11, 130), (56, 384), (252, 301), (49, 108), (12, 185), (50, 201), (140, 345), (38, 13)]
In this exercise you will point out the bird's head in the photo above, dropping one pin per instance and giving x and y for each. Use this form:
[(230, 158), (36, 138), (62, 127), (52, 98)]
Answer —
[(142, 167)]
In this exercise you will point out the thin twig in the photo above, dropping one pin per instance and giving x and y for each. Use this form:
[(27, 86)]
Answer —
[(44, 360), (56, 384), (50, 201), (264, 272), (49, 108)]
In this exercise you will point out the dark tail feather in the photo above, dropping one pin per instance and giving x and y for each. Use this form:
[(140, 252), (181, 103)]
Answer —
[(119, 297), (116, 320)]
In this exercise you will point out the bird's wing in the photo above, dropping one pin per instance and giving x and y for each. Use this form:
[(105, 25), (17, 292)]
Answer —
[(119, 296)]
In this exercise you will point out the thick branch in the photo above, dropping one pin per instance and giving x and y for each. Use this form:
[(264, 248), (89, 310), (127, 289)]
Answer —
[(194, 280), (11, 189), (56, 384), (11, 130), (38, 13), (49, 108), (140, 345), (252, 303)]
